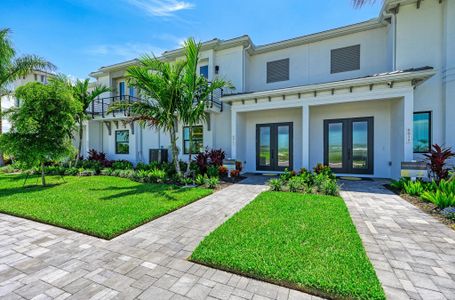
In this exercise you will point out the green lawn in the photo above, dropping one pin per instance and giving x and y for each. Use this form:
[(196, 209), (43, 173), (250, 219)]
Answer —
[(306, 242), (99, 205)]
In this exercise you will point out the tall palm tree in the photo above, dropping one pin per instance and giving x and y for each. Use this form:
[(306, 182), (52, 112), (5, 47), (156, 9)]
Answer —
[(85, 98), (197, 90), (360, 3), (160, 86), (12, 68)]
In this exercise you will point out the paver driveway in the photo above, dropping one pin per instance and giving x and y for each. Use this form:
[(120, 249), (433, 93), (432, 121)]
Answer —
[(43, 262), (413, 253)]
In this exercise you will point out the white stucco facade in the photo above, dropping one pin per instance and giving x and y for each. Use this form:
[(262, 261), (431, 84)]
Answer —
[(406, 65)]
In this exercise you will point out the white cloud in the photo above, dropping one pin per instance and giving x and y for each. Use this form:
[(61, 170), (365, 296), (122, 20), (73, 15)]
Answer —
[(124, 51), (161, 8)]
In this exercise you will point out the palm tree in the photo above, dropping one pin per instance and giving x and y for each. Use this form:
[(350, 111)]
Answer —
[(85, 98), (196, 92), (360, 3), (160, 87), (12, 68)]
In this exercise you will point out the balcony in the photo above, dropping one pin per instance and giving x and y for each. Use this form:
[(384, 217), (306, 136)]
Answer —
[(100, 107)]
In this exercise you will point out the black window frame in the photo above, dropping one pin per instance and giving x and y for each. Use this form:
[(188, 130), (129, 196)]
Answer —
[(117, 142), (184, 140), (430, 128)]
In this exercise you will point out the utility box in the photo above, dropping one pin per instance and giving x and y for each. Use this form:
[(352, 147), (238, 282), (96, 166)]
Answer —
[(158, 155)]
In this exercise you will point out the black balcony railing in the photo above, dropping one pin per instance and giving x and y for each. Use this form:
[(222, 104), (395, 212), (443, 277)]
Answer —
[(100, 107)]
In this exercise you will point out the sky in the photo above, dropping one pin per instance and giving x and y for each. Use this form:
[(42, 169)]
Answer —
[(80, 36)]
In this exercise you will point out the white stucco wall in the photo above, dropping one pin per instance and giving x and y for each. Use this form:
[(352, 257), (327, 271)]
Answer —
[(380, 110), (310, 63)]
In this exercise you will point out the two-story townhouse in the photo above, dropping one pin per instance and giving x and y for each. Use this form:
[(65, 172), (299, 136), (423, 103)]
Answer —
[(361, 98)]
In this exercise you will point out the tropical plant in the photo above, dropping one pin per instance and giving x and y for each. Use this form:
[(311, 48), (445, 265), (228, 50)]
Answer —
[(157, 175), (330, 187), (439, 198), (275, 184), (160, 86), (437, 162), (212, 171), (42, 125), (400, 183), (212, 182), (122, 165), (235, 173), (13, 67), (222, 171), (297, 184), (85, 95), (360, 3), (200, 179), (413, 188), (197, 90)]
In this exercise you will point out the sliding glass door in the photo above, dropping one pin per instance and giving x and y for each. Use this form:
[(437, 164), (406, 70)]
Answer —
[(348, 145)]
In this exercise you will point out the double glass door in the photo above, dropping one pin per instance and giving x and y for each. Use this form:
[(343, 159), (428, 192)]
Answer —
[(348, 145), (274, 146)]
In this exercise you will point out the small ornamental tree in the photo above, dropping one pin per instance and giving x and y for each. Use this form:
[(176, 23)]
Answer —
[(42, 126)]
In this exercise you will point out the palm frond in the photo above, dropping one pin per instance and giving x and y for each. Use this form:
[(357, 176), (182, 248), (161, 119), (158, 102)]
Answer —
[(361, 3)]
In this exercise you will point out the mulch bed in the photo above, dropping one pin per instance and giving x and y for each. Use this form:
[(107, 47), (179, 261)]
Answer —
[(427, 207)]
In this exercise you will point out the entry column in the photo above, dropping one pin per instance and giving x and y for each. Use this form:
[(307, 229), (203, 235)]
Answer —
[(233, 133), (306, 136)]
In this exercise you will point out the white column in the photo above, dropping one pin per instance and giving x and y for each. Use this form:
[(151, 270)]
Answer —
[(85, 149), (408, 117), (306, 136), (233, 134)]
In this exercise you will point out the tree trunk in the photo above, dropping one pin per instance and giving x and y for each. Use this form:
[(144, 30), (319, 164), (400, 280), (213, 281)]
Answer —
[(79, 149), (43, 178), (2, 162), (175, 151), (188, 167)]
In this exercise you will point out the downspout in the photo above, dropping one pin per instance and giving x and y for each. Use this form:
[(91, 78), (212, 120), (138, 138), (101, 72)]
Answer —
[(244, 66), (393, 23)]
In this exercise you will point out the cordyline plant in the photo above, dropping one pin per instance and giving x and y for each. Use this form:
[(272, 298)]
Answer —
[(437, 162)]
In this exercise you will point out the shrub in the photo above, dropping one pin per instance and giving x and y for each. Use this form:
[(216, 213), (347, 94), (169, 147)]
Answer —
[(319, 180), (449, 212), (200, 180), (202, 161), (400, 183), (71, 171), (447, 187), (287, 175), (106, 172), (142, 166), (330, 187), (440, 199), (216, 157), (95, 155), (239, 166), (212, 182), (437, 161), (127, 174), (7, 169), (297, 184), (275, 184), (323, 169), (87, 172), (186, 181), (141, 176), (235, 173), (92, 164), (413, 188), (157, 175), (212, 171), (222, 171), (122, 165)]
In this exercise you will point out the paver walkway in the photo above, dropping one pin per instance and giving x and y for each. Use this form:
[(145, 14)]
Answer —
[(412, 252), (43, 262)]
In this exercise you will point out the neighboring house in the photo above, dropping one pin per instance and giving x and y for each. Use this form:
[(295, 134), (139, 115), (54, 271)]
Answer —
[(361, 98), (10, 101)]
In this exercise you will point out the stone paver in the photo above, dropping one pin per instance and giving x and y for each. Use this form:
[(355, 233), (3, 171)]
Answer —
[(413, 253), (47, 262)]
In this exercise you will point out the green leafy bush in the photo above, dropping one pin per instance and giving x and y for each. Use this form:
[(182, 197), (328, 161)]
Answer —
[(275, 184), (71, 171), (287, 175), (414, 188), (297, 184), (157, 175), (400, 183), (106, 171), (439, 198), (212, 171), (330, 187), (200, 179), (122, 165), (212, 182), (186, 181)]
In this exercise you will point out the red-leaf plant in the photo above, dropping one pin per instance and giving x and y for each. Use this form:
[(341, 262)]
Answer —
[(437, 161)]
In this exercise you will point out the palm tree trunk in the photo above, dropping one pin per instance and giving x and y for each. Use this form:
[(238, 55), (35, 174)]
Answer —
[(79, 150), (188, 167), (43, 178), (175, 151)]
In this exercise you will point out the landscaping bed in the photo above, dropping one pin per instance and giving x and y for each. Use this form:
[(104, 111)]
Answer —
[(102, 206), (302, 241)]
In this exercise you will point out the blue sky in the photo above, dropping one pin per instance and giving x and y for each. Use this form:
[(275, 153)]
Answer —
[(79, 36)]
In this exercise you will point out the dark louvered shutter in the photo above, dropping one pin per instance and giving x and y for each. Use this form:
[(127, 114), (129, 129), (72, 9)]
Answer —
[(278, 70), (345, 59)]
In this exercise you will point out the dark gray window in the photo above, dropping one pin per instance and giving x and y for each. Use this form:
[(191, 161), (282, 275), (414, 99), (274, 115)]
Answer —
[(345, 59), (278, 70)]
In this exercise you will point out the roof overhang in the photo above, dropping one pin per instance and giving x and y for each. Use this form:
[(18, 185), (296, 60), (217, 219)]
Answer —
[(389, 79)]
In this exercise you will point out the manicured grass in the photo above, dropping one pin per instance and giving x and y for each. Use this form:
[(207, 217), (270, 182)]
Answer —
[(306, 242), (101, 206)]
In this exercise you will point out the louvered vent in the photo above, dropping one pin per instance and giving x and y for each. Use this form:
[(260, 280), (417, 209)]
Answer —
[(278, 70), (345, 59)]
